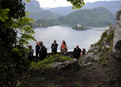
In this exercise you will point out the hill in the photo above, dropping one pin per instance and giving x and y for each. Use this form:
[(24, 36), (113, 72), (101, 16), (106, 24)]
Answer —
[(44, 15), (36, 12), (96, 17), (62, 10), (113, 6), (32, 6)]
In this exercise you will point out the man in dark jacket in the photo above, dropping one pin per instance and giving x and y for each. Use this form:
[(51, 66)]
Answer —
[(65, 53), (54, 47), (42, 51), (76, 52), (37, 50)]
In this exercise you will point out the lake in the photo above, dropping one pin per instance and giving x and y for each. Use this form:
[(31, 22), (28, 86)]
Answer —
[(72, 37)]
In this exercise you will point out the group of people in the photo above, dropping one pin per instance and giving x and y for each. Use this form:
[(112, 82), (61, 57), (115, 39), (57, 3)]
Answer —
[(77, 52), (41, 50)]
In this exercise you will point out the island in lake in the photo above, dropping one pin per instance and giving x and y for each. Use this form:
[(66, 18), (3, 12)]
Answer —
[(80, 27)]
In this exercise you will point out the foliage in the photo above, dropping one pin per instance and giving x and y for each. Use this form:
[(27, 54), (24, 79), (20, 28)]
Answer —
[(97, 17), (4, 14), (53, 85), (78, 84), (44, 15), (45, 23), (27, 0), (62, 78), (77, 3), (13, 64), (106, 38), (94, 17), (24, 27), (13, 61)]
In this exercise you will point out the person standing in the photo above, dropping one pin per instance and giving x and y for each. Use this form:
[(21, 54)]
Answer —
[(42, 51), (37, 50), (63, 46), (65, 53), (76, 52), (54, 47), (83, 52), (30, 54)]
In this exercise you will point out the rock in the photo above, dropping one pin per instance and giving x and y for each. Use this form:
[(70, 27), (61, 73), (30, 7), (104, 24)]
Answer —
[(63, 65), (55, 64), (117, 37), (88, 57), (117, 55), (97, 57), (107, 46), (91, 49), (110, 30), (87, 64)]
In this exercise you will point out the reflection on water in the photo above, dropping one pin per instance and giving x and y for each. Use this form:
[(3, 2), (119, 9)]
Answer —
[(72, 37)]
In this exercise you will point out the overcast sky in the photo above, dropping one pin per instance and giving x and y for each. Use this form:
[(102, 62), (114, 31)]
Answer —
[(61, 3)]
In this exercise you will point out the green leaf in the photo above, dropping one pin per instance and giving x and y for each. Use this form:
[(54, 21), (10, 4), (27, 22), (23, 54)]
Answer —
[(4, 14), (27, 0), (77, 3), (2, 19)]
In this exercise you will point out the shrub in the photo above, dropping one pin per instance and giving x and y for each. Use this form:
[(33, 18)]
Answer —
[(13, 64)]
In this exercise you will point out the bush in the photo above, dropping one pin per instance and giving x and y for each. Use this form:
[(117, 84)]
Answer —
[(13, 64)]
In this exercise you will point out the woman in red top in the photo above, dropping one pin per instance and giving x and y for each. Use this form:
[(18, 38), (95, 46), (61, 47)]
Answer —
[(63, 45)]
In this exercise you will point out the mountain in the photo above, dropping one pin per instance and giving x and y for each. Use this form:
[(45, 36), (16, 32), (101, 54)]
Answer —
[(89, 17), (44, 15), (113, 6), (62, 10), (96, 17), (32, 6), (36, 12)]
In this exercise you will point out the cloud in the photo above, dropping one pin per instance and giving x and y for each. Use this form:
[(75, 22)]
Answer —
[(62, 3)]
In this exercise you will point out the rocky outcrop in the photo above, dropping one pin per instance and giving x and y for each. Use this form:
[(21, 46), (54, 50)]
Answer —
[(32, 6), (110, 41), (100, 49), (73, 64), (117, 36)]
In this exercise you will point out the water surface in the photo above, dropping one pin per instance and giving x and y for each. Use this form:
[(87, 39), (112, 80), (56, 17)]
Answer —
[(72, 37)]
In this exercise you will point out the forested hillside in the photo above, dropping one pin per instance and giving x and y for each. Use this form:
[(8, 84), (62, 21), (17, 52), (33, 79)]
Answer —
[(97, 17), (113, 6)]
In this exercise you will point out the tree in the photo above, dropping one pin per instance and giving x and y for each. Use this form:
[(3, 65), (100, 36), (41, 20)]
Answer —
[(13, 62), (77, 3)]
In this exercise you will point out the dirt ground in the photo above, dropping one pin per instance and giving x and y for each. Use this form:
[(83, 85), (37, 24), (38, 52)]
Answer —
[(104, 74)]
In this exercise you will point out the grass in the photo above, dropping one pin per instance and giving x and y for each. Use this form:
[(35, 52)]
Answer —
[(105, 37), (101, 39), (62, 78), (53, 85), (41, 79), (92, 68), (78, 84), (104, 64), (49, 60)]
